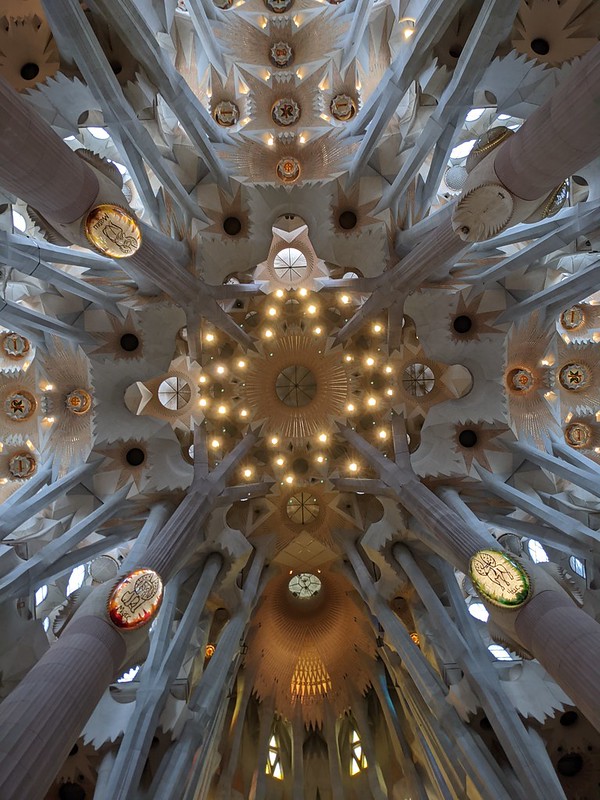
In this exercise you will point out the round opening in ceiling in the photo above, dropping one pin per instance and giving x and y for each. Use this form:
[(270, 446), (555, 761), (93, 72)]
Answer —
[(467, 438), (302, 508), (129, 342), (296, 386), (29, 71), (290, 265), (570, 765), (455, 50), (71, 791), (462, 324), (540, 47), (135, 457), (418, 379), (569, 718), (304, 585), (174, 393), (232, 226), (348, 220)]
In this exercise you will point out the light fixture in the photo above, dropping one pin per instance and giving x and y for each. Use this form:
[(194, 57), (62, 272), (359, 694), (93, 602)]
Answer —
[(268, 333), (317, 331), (274, 440), (370, 361), (348, 357), (377, 328), (241, 363), (279, 293), (389, 392), (215, 444), (350, 407), (247, 472), (353, 467), (345, 299), (388, 369), (371, 402), (302, 292), (312, 309), (272, 312), (220, 369), (210, 337), (289, 479), (222, 409), (382, 434), (322, 437), (320, 459), (244, 412), (202, 379), (203, 402), (280, 461)]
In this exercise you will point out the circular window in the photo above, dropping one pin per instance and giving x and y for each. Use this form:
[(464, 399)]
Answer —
[(418, 379), (467, 438), (129, 342), (296, 386), (462, 323), (304, 585), (174, 393), (290, 265), (232, 226), (347, 220), (302, 508), (135, 456)]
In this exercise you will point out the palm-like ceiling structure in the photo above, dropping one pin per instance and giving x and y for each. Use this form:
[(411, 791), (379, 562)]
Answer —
[(299, 397)]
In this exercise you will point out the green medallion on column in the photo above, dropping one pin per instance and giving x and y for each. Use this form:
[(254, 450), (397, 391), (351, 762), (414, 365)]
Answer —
[(499, 579)]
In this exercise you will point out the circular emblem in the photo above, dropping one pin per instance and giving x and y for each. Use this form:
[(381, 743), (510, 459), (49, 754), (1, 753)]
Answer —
[(288, 169), (79, 401), (113, 231), (520, 380), (22, 465), (572, 318), (20, 405), (285, 112), (574, 377), (279, 6), (578, 434), (135, 599), (490, 139), (499, 579), (343, 107), (226, 114), (556, 200), (14, 345), (281, 54)]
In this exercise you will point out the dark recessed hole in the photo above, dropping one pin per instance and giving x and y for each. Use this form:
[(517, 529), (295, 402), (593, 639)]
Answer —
[(74, 750), (116, 67), (569, 718), (71, 791), (232, 226), (300, 466), (467, 438), (570, 765), (540, 46), (135, 456), (347, 220), (29, 71), (129, 342), (579, 180), (455, 50), (485, 724), (462, 323)]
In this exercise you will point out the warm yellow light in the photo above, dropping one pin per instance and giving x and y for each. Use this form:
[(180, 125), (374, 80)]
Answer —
[(48, 387), (303, 292), (241, 363), (370, 361), (345, 299), (353, 467), (383, 434), (289, 478), (215, 443), (302, 139), (377, 328), (371, 401), (270, 141), (202, 379), (203, 402), (280, 461), (274, 440), (222, 409), (49, 420), (350, 407), (220, 369), (389, 392), (268, 333), (388, 369), (348, 357), (320, 459), (272, 312), (279, 293), (322, 437), (247, 473), (408, 32), (317, 331), (210, 337), (244, 412), (312, 309)]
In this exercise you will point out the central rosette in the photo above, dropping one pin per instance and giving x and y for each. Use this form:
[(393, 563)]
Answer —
[(297, 386)]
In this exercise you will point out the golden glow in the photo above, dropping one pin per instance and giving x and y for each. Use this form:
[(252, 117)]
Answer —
[(382, 434), (247, 472), (272, 312), (389, 392), (202, 379), (312, 309), (388, 369), (350, 407), (279, 293), (345, 299), (317, 331), (289, 479), (353, 467), (222, 409), (268, 333), (348, 357), (322, 437), (372, 402), (241, 363), (303, 292), (280, 461), (320, 459), (210, 337), (274, 440), (209, 651), (244, 412), (377, 328), (221, 369), (370, 361), (203, 402), (48, 387), (215, 444)]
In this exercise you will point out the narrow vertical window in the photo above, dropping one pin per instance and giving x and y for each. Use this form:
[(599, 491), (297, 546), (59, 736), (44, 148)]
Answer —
[(578, 566), (358, 760), (273, 767)]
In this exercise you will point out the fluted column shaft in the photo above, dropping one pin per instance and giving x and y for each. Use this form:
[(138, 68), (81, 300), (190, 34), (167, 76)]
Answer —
[(559, 138), (297, 755), (44, 715)]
